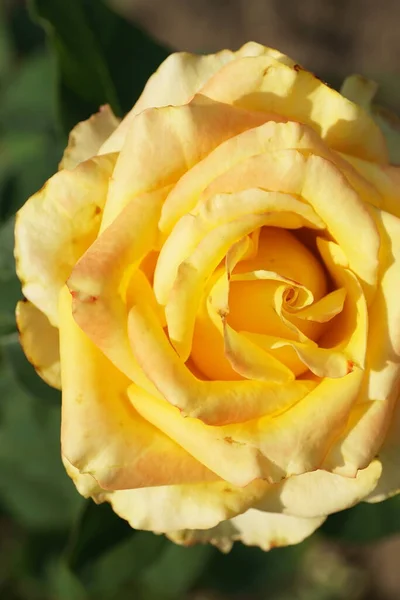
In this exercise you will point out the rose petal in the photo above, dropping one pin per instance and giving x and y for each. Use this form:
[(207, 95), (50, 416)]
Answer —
[(191, 229), (253, 528), (168, 508), (350, 332), (263, 84), (298, 439), (214, 402), (179, 78), (319, 493), (56, 226), (239, 464), (367, 428), (87, 136), (186, 134), (269, 137), (97, 280), (40, 342), (332, 198), (102, 435)]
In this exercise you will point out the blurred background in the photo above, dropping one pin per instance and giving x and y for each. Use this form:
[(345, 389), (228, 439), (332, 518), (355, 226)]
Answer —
[(59, 61)]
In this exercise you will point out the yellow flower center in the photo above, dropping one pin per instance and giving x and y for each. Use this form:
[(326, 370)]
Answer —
[(252, 303)]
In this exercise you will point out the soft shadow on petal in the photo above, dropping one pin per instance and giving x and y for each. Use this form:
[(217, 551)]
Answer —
[(40, 341), (320, 493), (266, 530), (370, 419), (168, 508), (261, 83)]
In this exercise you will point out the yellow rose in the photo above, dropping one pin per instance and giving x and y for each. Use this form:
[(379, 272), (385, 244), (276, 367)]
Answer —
[(218, 276)]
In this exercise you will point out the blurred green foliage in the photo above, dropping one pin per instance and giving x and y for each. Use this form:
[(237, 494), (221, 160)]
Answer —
[(54, 545)]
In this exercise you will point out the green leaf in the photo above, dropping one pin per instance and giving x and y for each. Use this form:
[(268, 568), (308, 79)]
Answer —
[(29, 146), (101, 58), (6, 49), (96, 530), (29, 99), (10, 288), (365, 522), (63, 584), (122, 566), (164, 579), (33, 485), (24, 372)]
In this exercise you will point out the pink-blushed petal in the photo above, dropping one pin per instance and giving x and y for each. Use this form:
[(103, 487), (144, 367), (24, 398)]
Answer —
[(40, 341), (102, 435), (56, 226), (372, 417), (263, 84), (319, 493), (168, 508), (214, 402), (186, 134), (87, 136), (266, 530), (178, 79), (97, 280)]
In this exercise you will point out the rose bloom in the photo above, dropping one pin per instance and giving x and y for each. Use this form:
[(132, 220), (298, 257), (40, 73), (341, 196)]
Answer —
[(214, 284)]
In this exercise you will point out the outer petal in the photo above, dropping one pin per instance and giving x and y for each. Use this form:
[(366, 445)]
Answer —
[(253, 528), (168, 508), (179, 78), (319, 493), (86, 484), (371, 418), (102, 435), (40, 341), (86, 138), (385, 180), (185, 133), (261, 83), (56, 226)]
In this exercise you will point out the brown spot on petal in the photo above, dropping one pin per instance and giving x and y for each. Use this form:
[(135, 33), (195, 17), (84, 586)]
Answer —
[(83, 297), (350, 366)]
